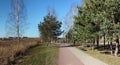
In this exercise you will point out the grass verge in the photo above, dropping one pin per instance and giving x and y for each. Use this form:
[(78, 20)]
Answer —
[(110, 60), (41, 55)]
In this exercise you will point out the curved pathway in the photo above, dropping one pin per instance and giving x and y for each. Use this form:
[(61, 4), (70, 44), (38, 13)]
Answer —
[(73, 56), (66, 57)]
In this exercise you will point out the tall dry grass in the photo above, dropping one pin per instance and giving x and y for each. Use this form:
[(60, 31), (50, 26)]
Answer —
[(10, 49)]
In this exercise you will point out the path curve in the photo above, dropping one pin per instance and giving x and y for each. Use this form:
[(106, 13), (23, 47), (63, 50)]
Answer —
[(66, 57), (73, 56)]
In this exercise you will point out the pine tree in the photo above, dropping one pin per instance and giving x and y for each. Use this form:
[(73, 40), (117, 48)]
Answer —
[(50, 28), (98, 17)]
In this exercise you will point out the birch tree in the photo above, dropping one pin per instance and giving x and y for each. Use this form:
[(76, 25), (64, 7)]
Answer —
[(16, 20)]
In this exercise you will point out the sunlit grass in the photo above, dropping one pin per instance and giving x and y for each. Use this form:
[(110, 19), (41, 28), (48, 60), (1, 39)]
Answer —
[(110, 60), (41, 55)]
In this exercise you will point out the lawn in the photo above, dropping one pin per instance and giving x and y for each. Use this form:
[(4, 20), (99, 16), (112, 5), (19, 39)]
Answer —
[(41, 55), (110, 60)]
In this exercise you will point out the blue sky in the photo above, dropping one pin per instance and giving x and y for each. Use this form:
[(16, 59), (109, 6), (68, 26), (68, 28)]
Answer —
[(36, 10)]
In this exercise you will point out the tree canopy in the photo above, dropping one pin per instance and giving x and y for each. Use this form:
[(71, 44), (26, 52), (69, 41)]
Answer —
[(50, 28), (97, 18)]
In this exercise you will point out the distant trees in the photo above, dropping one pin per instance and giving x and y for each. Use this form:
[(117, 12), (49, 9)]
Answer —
[(50, 28), (99, 18), (69, 36), (16, 22)]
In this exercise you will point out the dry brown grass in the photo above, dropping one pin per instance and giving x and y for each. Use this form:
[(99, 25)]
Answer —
[(10, 49)]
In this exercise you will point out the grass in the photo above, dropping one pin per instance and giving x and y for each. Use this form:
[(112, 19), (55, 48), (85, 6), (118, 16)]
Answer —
[(110, 60), (10, 49), (41, 55)]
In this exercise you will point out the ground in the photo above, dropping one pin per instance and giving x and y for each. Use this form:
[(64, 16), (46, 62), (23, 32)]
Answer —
[(66, 57), (63, 55), (73, 56)]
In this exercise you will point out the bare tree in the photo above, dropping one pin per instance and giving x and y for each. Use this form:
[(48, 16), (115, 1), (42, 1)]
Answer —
[(69, 21), (16, 19), (51, 11)]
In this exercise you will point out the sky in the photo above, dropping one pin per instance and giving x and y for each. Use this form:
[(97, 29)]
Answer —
[(35, 10)]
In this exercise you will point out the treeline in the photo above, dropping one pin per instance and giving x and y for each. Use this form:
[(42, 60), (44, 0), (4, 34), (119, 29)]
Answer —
[(96, 19)]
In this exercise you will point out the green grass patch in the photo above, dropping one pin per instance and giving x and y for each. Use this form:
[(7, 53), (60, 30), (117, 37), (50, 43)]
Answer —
[(41, 55), (110, 60)]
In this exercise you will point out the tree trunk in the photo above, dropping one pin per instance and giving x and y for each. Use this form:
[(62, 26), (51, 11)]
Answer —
[(117, 46), (74, 42), (97, 42), (108, 45), (111, 46), (18, 29), (116, 50), (104, 41), (93, 44)]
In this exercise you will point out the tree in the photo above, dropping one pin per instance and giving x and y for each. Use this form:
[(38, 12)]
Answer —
[(69, 22), (99, 16), (113, 8), (69, 36), (50, 28), (110, 21), (87, 24), (16, 22)]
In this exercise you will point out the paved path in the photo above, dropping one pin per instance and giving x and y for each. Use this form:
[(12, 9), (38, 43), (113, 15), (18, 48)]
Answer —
[(66, 57), (85, 58), (74, 56)]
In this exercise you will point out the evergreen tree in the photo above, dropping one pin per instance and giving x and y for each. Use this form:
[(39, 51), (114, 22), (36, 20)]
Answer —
[(50, 28), (98, 16)]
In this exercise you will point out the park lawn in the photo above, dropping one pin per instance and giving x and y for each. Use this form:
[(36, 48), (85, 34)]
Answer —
[(41, 55), (110, 60)]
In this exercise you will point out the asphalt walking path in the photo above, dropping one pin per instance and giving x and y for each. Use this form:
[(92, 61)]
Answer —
[(74, 56), (66, 57)]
